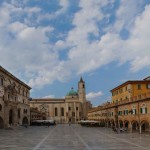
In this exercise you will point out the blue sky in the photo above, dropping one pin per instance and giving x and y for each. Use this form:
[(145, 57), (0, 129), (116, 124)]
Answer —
[(50, 44)]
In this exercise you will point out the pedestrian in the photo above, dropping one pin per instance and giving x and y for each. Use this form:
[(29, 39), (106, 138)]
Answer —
[(69, 123)]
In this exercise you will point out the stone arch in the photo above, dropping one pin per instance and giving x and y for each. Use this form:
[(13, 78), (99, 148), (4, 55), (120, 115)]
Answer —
[(126, 124), (120, 123), (112, 123), (109, 123), (10, 116), (25, 121), (144, 126), (135, 126), (1, 123)]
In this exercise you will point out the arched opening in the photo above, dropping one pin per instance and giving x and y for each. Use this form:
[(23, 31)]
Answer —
[(109, 123), (112, 123), (1, 123), (120, 123), (135, 126), (10, 117), (126, 124), (144, 126), (25, 121)]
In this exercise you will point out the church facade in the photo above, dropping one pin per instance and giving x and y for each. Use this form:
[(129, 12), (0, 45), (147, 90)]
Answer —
[(71, 109)]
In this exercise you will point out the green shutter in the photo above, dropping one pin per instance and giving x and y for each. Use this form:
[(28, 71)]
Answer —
[(141, 110), (146, 110), (127, 112), (135, 111)]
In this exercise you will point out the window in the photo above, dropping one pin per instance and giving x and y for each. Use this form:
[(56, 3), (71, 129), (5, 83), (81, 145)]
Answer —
[(18, 113), (76, 108), (134, 111), (148, 86), (1, 81), (139, 86), (19, 90), (120, 113), (139, 96), (0, 107), (83, 86), (62, 111), (23, 93), (66, 114), (56, 113), (25, 111), (143, 110), (73, 114), (120, 90), (125, 112), (80, 114), (69, 108), (112, 113)]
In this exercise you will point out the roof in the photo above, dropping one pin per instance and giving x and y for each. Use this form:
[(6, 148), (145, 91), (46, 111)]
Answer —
[(12, 76), (51, 100), (130, 82), (147, 78), (72, 92)]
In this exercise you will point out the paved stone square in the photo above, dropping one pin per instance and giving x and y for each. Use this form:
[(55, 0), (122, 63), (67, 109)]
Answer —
[(74, 137)]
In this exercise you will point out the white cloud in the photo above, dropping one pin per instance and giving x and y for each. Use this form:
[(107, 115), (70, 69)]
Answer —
[(88, 55), (27, 46), (29, 51), (49, 96), (64, 4), (94, 95)]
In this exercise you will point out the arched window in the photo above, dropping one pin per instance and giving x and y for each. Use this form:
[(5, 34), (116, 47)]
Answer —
[(18, 113), (62, 111), (19, 89), (143, 109), (0, 107), (56, 113), (1, 80)]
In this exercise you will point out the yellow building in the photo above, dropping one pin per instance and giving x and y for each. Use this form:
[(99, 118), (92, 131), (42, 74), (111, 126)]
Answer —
[(130, 89), (130, 107)]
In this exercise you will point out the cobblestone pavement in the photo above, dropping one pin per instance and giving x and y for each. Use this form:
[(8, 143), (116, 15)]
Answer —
[(74, 137)]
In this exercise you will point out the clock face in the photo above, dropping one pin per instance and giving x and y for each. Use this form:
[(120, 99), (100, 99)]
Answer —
[(1, 91), (43, 108)]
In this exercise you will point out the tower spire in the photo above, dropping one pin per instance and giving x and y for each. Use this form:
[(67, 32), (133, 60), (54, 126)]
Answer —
[(81, 80)]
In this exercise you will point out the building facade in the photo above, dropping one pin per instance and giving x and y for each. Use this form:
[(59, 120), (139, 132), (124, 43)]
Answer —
[(130, 107), (72, 108), (14, 100)]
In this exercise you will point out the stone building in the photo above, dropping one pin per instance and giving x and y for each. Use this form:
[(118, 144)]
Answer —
[(72, 108), (130, 107), (14, 100)]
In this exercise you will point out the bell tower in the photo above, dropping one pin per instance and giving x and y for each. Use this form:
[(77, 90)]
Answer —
[(82, 97)]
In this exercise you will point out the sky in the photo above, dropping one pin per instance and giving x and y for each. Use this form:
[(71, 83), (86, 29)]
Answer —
[(50, 44)]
